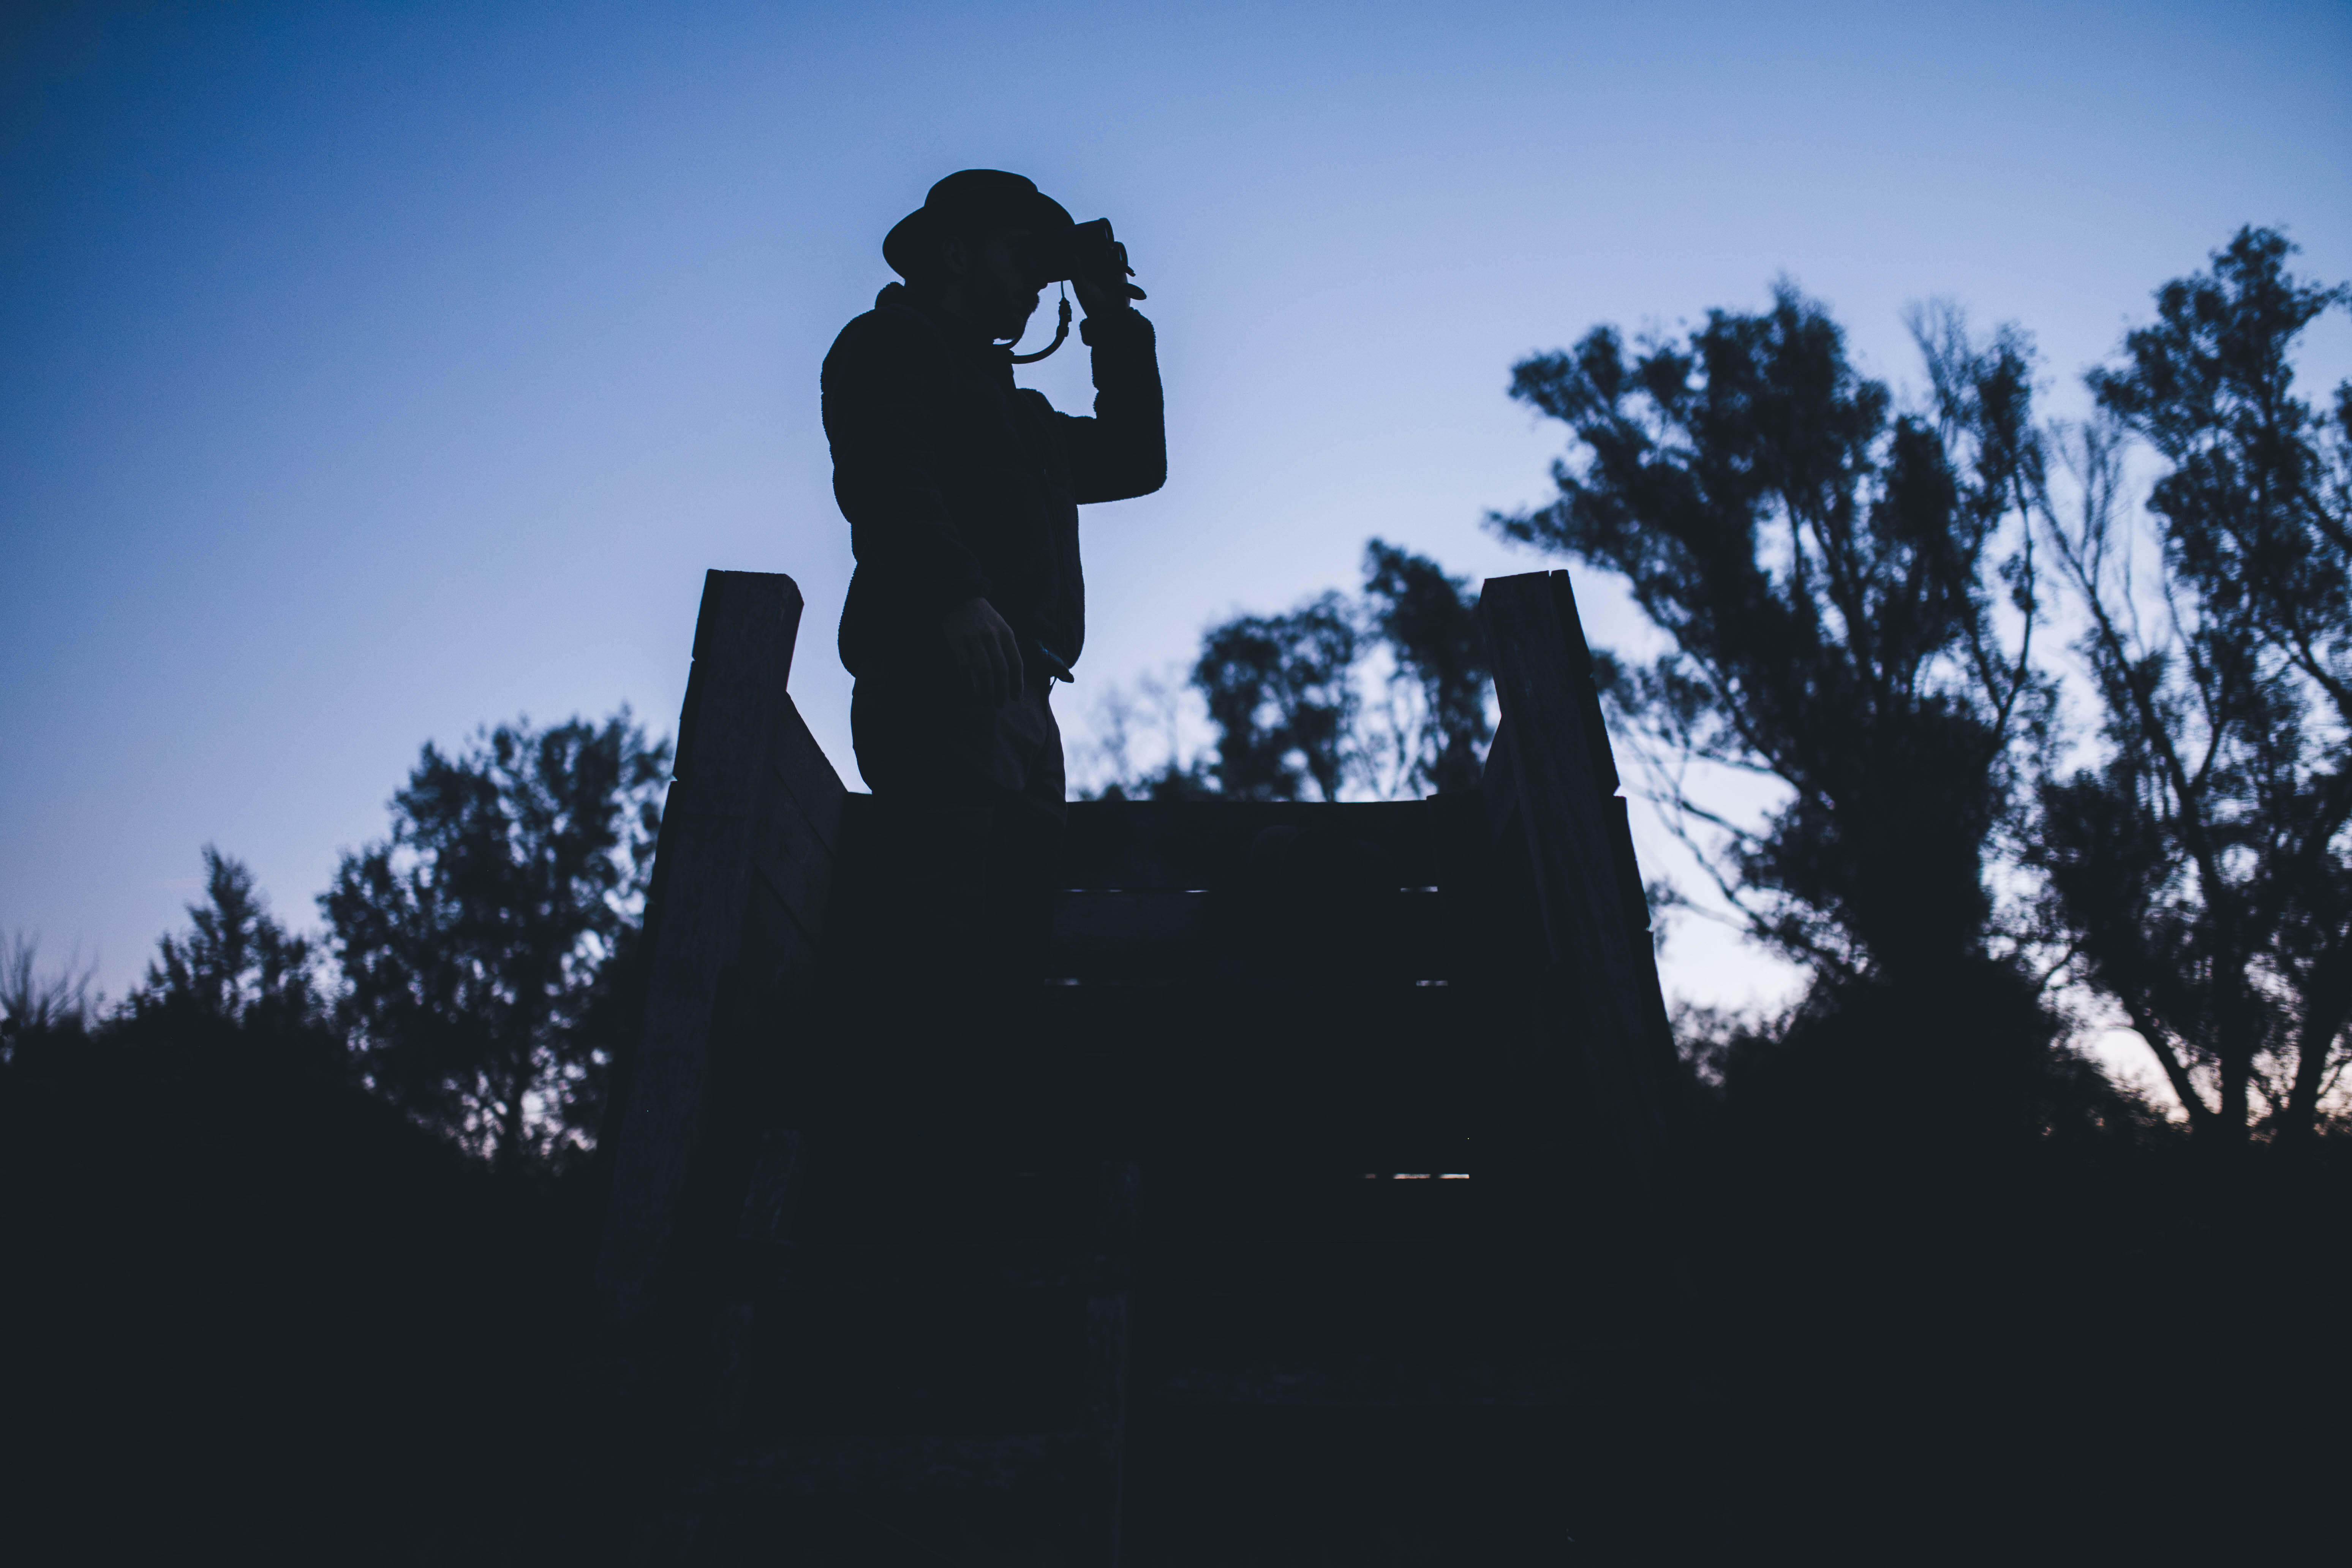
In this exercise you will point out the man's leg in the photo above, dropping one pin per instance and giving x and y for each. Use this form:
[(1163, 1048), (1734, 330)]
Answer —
[(969, 809), (925, 750), (1030, 813)]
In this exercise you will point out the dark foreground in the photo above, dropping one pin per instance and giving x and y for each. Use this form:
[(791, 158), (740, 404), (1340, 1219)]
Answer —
[(252, 1316)]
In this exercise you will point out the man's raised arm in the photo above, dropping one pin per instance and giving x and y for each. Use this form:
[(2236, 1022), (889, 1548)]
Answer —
[(1123, 451)]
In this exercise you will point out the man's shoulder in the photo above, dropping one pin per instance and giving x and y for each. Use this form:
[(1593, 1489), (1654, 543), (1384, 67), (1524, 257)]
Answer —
[(888, 331)]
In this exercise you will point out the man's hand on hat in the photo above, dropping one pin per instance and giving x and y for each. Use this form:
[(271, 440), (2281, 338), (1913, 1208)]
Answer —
[(1101, 296), (986, 648)]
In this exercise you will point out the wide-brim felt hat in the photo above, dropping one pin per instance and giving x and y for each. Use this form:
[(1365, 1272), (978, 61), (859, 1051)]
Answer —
[(970, 199)]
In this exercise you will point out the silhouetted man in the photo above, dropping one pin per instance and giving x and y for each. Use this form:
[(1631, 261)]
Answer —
[(962, 492)]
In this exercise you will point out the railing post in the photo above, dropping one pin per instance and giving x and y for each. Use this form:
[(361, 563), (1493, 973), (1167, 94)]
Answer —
[(735, 705), (1565, 785)]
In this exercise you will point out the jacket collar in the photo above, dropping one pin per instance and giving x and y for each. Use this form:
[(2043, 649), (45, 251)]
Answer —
[(991, 354)]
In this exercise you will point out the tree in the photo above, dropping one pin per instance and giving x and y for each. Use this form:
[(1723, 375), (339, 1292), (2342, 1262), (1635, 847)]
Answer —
[(35, 1006), (234, 965), (1286, 696), (1120, 717), (1281, 692), (1827, 569), (479, 944), (2203, 867), (1429, 622)]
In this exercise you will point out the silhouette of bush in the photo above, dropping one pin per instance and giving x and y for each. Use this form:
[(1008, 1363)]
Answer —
[(242, 1287)]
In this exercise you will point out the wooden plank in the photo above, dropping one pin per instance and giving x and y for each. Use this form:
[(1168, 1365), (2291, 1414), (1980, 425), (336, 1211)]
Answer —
[(850, 1535), (1566, 781), (743, 652), (1110, 1323), (1604, 1378), (1472, 946), (1166, 933), (1201, 1132), (1155, 934), (793, 859), (890, 1268), (1232, 1083), (1202, 844), (1526, 1095), (584, 1520), (665, 1382), (1240, 1379), (654, 1376), (1409, 1022), (1202, 1377), (802, 1465), (807, 776), (768, 1209), (1238, 1205), (1498, 788), (917, 1383), (776, 970), (853, 910), (1108, 1021), (1262, 1268)]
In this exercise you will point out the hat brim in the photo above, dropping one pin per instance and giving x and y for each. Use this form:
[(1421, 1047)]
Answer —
[(908, 238)]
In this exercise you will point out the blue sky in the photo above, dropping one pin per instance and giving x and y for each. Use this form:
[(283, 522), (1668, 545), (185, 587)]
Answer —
[(378, 371)]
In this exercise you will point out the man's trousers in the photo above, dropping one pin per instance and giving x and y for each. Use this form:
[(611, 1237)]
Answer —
[(969, 811)]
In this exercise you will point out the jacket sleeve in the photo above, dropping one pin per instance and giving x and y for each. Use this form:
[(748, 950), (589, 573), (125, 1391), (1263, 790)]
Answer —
[(1123, 451), (882, 417)]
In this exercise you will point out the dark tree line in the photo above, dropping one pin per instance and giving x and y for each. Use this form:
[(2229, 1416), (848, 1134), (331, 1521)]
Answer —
[(477, 963), (281, 1291)]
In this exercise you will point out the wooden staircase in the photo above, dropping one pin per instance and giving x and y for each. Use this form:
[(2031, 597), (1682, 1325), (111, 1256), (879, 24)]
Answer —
[(1333, 1184)]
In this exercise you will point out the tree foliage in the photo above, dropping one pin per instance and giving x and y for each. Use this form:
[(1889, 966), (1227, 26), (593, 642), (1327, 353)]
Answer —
[(481, 941), (36, 1002), (234, 965), (1280, 691), (1429, 622), (2203, 866), (1384, 693), (1827, 567)]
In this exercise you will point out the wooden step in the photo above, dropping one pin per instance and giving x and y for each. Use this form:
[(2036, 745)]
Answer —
[(1166, 1018), (1168, 934), (793, 1466), (899, 1382), (1048, 1263), (666, 1383), (1141, 1020), (1240, 1266), (1608, 1378), (1138, 843), (1201, 1379), (1267, 1268), (1155, 933)]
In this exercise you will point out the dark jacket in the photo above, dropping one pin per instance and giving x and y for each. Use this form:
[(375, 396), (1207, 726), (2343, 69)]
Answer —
[(958, 485)]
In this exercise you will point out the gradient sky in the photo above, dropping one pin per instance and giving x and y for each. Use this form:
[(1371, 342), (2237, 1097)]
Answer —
[(374, 372)]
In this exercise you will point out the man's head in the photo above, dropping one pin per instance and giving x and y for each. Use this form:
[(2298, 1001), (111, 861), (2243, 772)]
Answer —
[(974, 248)]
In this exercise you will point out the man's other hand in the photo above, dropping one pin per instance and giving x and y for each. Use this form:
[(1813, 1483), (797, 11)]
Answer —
[(1101, 296), (986, 648)]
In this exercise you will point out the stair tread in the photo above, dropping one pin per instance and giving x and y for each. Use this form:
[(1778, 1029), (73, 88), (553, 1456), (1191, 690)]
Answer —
[(1041, 1263), (800, 1464)]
